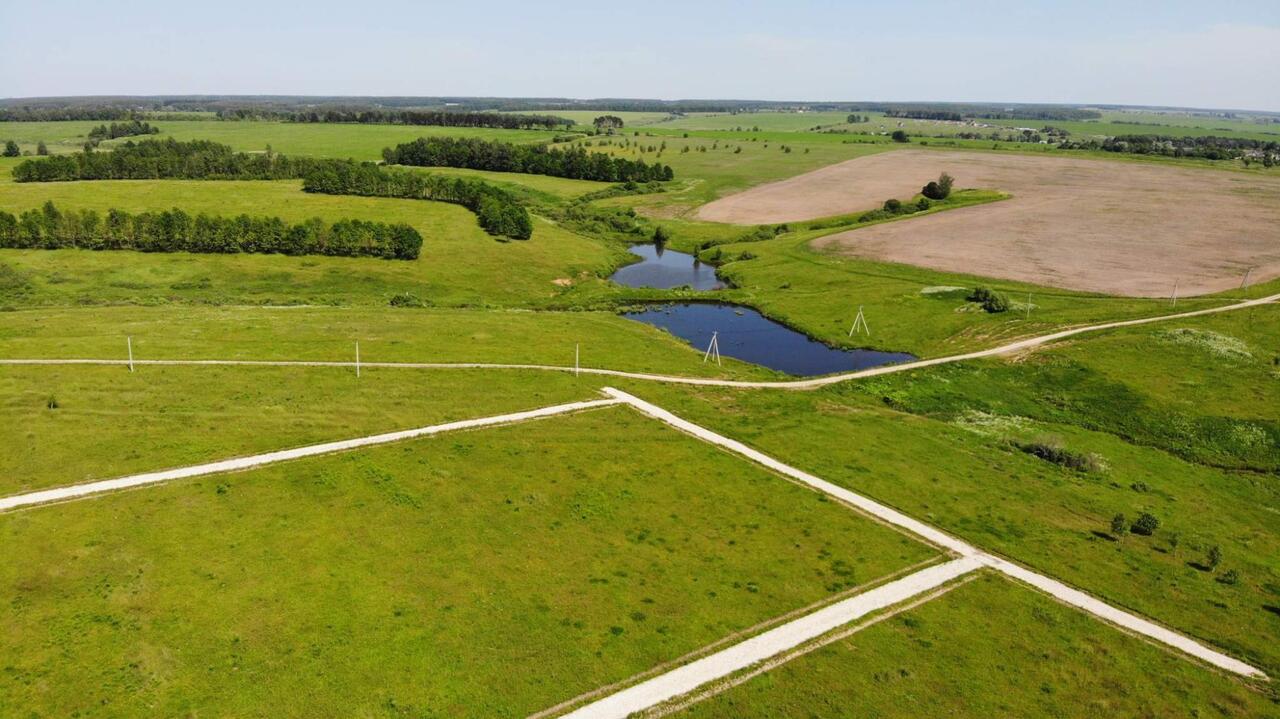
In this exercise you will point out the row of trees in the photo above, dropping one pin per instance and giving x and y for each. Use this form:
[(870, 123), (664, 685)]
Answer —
[(378, 116), (926, 115), (498, 211), (1208, 147), (121, 129), (495, 156), (165, 159), (178, 231)]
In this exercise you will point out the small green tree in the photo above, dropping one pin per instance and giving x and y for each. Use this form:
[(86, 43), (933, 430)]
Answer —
[(892, 205), (11, 149), (945, 182), (41, 149), (900, 136), (1118, 525), (1214, 557), (660, 235), (1145, 525)]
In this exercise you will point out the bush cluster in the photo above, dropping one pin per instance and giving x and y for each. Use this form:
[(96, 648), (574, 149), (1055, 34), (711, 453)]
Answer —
[(121, 129), (476, 154), (990, 300), (179, 231), (939, 189), (498, 211), (1051, 450)]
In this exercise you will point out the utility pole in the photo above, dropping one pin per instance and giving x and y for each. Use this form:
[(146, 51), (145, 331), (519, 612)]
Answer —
[(129, 342), (357, 359)]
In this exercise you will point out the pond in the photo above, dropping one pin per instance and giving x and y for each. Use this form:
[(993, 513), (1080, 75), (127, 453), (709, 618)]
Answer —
[(749, 336), (665, 269)]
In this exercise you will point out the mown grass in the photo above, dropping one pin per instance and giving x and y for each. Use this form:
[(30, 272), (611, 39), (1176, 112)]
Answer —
[(65, 425), (988, 648), (547, 559)]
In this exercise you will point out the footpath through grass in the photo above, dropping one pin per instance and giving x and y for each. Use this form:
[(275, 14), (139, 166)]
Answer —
[(988, 648), (547, 559)]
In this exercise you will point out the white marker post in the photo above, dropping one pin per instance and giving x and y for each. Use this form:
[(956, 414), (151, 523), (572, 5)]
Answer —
[(357, 359), (1028, 305), (713, 348), (860, 323), (129, 342), (1174, 303)]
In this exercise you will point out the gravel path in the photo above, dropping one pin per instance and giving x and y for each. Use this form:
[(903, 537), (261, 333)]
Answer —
[(742, 655), (801, 384)]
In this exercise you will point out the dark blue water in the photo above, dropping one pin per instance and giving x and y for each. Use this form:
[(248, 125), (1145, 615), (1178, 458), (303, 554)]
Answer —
[(749, 336), (665, 269)]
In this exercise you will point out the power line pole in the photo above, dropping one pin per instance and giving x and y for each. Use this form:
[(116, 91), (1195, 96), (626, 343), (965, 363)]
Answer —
[(357, 359), (129, 342)]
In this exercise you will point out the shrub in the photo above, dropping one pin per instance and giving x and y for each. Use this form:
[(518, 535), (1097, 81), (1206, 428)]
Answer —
[(900, 136), (51, 403), (1118, 525), (990, 300), (660, 235), (1146, 524), (41, 148), (1231, 576), (405, 299), (923, 204), (1214, 558), (939, 189), (892, 205), (11, 149), (1050, 449)]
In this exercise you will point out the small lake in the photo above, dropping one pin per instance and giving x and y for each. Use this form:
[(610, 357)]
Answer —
[(749, 336), (665, 269)]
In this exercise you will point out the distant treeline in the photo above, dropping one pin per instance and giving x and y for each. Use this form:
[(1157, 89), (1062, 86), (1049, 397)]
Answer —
[(1208, 147), (498, 211), (926, 115), (372, 116), (59, 114), (122, 129), (164, 160), (960, 111), (477, 154), (177, 231)]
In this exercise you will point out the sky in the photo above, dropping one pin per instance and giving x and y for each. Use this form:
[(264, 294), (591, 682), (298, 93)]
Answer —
[(1219, 54)]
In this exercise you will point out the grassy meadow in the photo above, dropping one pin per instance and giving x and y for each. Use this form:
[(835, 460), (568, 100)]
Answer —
[(988, 648), (549, 558)]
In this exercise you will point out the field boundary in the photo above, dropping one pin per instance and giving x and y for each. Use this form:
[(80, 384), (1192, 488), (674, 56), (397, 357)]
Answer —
[(800, 384)]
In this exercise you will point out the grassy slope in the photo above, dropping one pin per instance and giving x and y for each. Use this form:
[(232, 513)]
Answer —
[(549, 559), (988, 649)]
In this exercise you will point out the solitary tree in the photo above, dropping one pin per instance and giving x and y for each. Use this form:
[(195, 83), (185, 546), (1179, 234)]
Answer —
[(11, 149), (41, 149), (900, 136)]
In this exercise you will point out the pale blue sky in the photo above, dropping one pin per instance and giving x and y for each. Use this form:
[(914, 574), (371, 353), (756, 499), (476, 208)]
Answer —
[(1223, 53)]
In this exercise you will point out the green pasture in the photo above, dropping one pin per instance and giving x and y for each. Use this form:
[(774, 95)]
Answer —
[(941, 444), (988, 648), (548, 558)]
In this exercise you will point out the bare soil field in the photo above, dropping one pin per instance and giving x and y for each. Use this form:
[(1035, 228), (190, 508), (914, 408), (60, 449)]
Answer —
[(1120, 228)]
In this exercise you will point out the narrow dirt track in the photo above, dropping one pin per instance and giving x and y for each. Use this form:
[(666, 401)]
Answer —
[(800, 384)]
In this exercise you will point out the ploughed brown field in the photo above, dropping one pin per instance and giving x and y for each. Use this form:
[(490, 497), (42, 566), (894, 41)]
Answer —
[(1122, 228)]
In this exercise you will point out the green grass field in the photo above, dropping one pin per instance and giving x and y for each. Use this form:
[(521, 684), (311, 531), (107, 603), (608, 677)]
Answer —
[(988, 648), (549, 558), (939, 444)]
